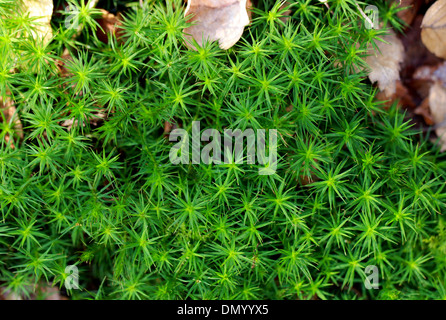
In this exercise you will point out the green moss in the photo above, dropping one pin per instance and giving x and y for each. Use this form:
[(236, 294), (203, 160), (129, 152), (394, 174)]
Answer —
[(355, 186)]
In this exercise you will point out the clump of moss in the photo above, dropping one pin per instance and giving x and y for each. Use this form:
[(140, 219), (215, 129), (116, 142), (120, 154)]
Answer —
[(355, 185)]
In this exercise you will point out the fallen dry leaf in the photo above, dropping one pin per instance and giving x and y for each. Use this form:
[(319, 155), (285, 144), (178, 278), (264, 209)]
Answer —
[(47, 292), (424, 111), (415, 52), (433, 33), (216, 20), (385, 63), (44, 10), (421, 82), (424, 77), (440, 73), (94, 120), (401, 95), (424, 73), (62, 62), (410, 11), (169, 126), (8, 295), (43, 292), (437, 103), (285, 5), (110, 24)]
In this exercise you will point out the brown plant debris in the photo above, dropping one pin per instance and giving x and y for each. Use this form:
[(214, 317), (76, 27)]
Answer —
[(410, 10), (433, 33), (385, 63), (216, 20), (43, 9), (110, 24)]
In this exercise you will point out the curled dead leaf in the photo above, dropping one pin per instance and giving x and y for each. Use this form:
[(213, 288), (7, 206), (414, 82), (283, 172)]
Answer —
[(424, 111), (216, 20), (285, 6), (41, 291), (440, 73), (424, 73), (62, 62), (43, 9), (408, 9), (401, 96), (433, 33), (384, 64), (94, 120), (110, 24), (425, 76)]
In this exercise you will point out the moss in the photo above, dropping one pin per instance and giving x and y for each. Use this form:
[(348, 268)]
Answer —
[(355, 184)]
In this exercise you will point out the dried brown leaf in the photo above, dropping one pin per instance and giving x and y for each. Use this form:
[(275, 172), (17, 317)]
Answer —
[(401, 96), (433, 33), (94, 120), (410, 11), (217, 20), (285, 5), (42, 291), (110, 24), (440, 73), (424, 111), (385, 63), (43, 9)]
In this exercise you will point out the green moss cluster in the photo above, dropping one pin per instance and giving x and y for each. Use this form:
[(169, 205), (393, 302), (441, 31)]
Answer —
[(356, 184)]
